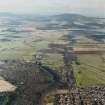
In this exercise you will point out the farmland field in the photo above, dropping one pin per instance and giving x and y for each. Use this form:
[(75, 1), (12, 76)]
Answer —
[(41, 55), (91, 70)]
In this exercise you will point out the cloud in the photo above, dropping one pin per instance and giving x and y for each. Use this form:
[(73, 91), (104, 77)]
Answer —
[(86, 7), (93, 7)]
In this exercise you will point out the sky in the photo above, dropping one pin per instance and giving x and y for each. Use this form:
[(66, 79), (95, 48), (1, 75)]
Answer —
[(51, 7)]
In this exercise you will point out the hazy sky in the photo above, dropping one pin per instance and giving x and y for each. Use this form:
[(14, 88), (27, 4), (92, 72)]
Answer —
[(85, 7)]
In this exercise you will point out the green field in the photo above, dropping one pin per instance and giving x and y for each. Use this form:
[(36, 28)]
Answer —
[(55, 62), (24, 46), (91, 71)]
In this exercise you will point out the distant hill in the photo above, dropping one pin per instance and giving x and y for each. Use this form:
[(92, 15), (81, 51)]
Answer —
[(64, 21), (71, 17)]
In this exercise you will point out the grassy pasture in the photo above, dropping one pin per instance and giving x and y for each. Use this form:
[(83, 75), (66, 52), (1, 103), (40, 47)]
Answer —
[(27, 44), (55, 62), (91, 71)]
